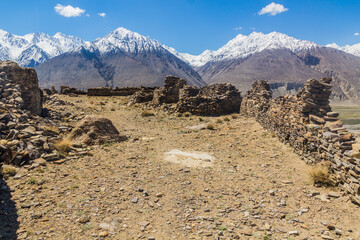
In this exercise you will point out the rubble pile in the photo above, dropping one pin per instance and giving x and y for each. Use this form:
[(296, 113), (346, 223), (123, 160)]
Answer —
[(306, 122)]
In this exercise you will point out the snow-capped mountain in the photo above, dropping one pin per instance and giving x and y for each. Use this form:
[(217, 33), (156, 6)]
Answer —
[(243, 46), (126, 41), (352, 49), (35, 48), (119, 59)]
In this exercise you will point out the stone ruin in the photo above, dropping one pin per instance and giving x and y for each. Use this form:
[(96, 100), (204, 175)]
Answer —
[(26, 82), (216, 99), (212, 100), (124, 91), (69, 90), (305, 121), (170, 92)]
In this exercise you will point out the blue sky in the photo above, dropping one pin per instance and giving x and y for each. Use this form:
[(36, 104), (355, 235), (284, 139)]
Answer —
[(187, 25)]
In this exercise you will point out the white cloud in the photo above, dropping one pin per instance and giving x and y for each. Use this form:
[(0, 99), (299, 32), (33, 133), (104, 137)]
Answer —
[(238, 28), (102, 14), (88, 15), (68, 11), (356, 34), (273, 9)]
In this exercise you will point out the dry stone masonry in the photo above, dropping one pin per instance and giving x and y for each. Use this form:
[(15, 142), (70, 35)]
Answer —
[(27, 84), (306, 122)]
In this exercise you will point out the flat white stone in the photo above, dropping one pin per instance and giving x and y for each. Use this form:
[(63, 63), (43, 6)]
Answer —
[(189, 159)]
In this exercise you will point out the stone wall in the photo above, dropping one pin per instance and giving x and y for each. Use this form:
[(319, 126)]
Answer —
[(305, 121), (26, 79), (125, 91), (170, 92)]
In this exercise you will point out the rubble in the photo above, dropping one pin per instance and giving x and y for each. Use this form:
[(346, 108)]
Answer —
[(94, 130), (170, 92)]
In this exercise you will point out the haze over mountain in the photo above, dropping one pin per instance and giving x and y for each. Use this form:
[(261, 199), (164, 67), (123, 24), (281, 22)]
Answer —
[(121, 58)]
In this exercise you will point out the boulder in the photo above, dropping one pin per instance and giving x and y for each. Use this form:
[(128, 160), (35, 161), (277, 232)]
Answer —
[(212, 100), (27, 80), (94, 130), (170, 92)]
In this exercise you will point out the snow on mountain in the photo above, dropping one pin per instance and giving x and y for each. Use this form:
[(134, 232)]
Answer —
[(242, 46), (35, 48), (127, 41), (352, 49)]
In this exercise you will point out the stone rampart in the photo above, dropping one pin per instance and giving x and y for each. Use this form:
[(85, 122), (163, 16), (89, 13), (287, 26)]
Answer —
[(305, 121)]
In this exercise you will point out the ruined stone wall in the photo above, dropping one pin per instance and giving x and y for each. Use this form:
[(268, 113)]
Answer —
[(126, 91), (306, 123), (27, 81)]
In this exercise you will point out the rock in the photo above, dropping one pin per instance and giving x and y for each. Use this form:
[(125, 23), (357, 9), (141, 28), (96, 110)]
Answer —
[(134, 200), (84, 219), (293, 233), (143, 224), (40, 161), (142, 96), (334, 194), (103, 234), (212, 100), (27, 80), (94, 130)]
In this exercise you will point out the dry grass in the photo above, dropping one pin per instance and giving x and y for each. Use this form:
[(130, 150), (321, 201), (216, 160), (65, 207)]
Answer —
[(8, 171), (147, 113), (226, 119), (234, 116), (320, 174), (187, 114), (63, 145), (219, 121)]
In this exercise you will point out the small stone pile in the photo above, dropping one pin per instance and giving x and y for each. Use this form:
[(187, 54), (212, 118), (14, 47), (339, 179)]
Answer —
[(306, 122), (216, 99), (94, 130)]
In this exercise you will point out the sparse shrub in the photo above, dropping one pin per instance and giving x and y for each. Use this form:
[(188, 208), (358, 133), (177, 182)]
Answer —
[(234, 116), (147, 113), (179, 114), (320, 174), (226, 119), (210, 127), (112, 109), (63, 145), (8, 171), (219, 121), (187, 114), (32, 181), (200, 119)]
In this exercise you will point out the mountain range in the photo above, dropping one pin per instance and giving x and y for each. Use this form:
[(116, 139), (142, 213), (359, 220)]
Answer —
[(126, 58)]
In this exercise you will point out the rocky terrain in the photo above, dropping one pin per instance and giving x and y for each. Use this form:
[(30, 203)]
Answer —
[(113, 168)]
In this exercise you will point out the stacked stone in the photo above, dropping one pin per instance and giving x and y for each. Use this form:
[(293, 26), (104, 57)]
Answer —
[(306, 123), (142, 96), (212, 100), (70, 90), (24, 135), (170, 92)]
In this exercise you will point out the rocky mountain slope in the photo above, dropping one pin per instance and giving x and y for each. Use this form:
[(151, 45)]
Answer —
[(33, 49), (121, 58)]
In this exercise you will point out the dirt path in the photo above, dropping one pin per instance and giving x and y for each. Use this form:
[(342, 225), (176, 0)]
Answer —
[(255, 187)]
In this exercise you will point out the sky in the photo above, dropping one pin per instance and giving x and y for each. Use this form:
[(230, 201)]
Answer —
[(187, 25)]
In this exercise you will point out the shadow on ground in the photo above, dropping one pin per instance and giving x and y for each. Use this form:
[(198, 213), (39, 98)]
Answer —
[(8, 213)]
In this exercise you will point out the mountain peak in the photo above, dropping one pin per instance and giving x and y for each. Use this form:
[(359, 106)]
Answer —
[(243, 46), (126, 41)]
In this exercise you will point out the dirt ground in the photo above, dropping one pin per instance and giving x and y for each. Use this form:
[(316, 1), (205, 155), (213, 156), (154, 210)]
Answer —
[(171, 180)]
